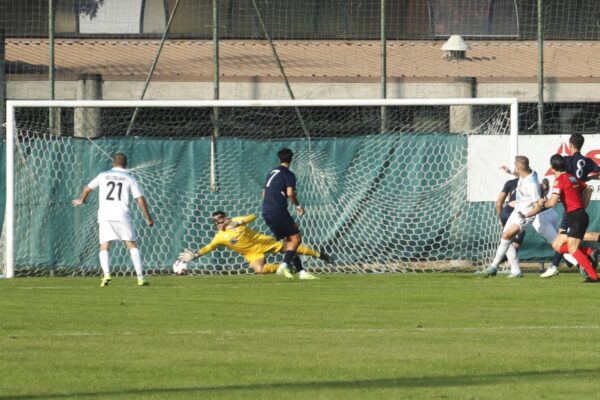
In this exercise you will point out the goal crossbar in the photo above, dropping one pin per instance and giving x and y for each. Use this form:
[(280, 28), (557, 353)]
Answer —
[(264, 103)]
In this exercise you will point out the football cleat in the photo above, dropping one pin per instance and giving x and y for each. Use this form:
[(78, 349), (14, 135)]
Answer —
[(105, 281), (285, 271), (517, 275), (590, 280), (143, 282), (306, 275), (550, 272), (489, 272)]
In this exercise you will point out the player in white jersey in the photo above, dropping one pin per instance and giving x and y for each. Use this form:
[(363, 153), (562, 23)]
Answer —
[(528, 193), (114, 219)]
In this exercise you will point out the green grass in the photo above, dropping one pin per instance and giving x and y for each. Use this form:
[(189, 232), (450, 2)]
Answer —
[(444, 336)]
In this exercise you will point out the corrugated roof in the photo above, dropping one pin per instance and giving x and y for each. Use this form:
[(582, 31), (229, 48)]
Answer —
[(303, 60)]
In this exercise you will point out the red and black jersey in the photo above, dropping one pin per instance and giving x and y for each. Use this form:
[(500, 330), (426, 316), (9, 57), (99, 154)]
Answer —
[(569, 188)]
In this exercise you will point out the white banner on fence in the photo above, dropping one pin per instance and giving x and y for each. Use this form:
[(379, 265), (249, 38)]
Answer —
[(488, 153)]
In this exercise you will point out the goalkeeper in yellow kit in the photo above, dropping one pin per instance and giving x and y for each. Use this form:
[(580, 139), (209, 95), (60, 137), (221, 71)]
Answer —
[(235, 234)]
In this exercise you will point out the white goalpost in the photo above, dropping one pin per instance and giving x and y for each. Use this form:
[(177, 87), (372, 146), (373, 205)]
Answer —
[(379, 201)]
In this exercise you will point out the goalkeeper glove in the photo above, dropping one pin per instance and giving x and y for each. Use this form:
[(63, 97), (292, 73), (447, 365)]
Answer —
[(187, 255)]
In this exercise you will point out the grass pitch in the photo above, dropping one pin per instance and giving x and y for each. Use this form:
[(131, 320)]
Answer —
[(444, 336)]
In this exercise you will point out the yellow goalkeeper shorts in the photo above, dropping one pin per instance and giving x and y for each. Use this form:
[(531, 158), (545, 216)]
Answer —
[(260, 252)]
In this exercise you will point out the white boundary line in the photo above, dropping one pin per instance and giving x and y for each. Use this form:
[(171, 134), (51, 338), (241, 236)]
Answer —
[(246, 332)]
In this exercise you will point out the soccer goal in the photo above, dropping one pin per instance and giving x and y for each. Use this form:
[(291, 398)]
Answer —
[(386, 184)]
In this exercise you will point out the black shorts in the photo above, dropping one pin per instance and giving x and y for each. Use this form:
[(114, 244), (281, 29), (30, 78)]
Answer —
[(281, 225), (578, 223)]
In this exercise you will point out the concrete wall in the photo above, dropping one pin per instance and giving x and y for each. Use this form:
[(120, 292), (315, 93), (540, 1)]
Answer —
[(130, 90)]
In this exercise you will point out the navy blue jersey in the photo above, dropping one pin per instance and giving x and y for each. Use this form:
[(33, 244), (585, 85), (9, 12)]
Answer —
[(510, 188), (580, 166), (275, 200)]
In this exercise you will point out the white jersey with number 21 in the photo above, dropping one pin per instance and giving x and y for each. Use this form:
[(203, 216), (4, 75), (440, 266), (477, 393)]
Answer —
[(115, 186)]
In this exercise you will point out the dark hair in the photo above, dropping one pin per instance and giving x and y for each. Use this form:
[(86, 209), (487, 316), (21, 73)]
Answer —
[(120, 160), (218, 214), (557, 162), (577, 140), (285, 155)]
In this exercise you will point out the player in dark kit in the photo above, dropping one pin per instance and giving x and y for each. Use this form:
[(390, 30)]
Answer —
[(575, 195), (583, 168), (280, 186)]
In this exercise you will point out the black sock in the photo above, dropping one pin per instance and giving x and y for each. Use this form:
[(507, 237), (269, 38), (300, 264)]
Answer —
[(556, 259), (298, 264), (288, 256)]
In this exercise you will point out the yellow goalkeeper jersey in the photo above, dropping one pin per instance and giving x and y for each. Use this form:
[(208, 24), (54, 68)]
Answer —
[(244, 240)]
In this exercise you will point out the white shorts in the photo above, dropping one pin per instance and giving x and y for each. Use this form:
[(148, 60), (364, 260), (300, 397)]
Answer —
[(514, 219), (545, 224), (116, 230)]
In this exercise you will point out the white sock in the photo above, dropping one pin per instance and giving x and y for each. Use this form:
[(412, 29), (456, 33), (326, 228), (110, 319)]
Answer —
[(501, 252), (104, 262), (513, 260), (570, 259), (137, 262)]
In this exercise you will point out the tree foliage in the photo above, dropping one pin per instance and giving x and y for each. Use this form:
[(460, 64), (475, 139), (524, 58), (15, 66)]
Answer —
[(90, 7)]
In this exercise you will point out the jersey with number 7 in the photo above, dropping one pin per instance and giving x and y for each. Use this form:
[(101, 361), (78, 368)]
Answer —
[(275, 200), (115, 186)]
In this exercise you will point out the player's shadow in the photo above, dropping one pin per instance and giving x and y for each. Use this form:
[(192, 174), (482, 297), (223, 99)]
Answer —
[(390, 383)]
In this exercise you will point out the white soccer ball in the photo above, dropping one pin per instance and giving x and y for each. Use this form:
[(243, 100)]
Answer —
[(180, 267)]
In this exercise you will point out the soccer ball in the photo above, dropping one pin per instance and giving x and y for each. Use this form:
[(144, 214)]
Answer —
[(180, 267)]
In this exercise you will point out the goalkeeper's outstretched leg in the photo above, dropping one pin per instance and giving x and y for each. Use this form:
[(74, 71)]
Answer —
[(260, 266)]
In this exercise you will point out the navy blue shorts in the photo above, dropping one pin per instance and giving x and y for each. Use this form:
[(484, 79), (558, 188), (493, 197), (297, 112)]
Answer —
[(506, 211), (564, 224), (281, 225)]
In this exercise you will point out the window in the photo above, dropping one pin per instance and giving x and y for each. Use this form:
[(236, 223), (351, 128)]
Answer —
[(474, 18), (113, 16)]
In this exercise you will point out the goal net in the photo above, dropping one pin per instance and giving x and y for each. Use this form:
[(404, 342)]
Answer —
[(383, 182)]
